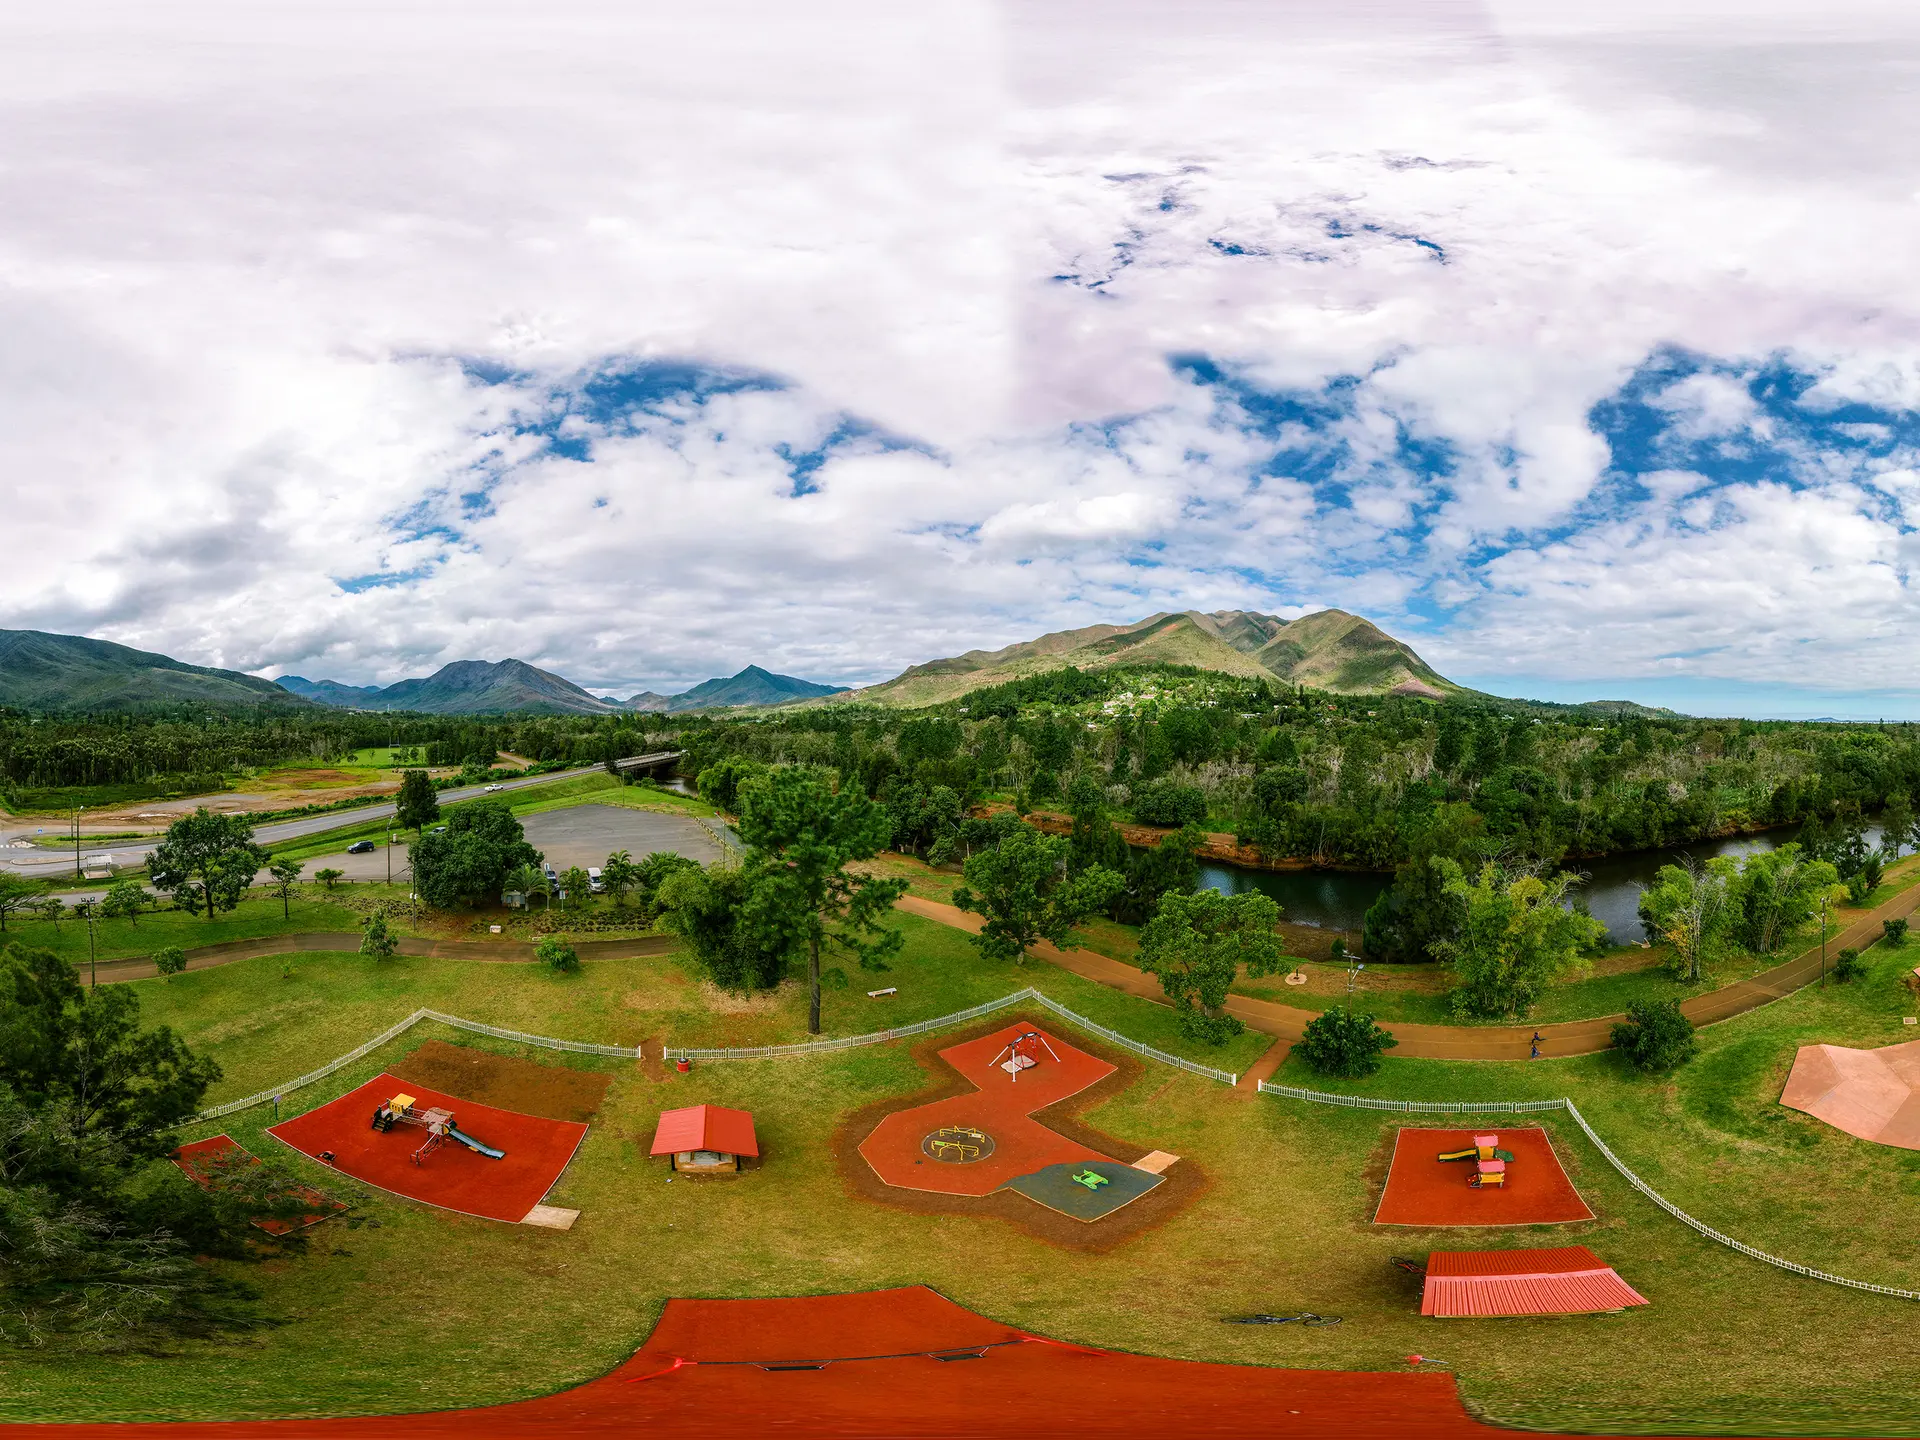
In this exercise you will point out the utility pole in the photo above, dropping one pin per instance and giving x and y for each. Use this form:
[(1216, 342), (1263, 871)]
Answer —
[(1823, 942), (73, 818)]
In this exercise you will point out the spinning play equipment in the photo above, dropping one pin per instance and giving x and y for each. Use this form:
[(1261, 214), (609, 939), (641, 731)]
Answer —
[(438, 1123)]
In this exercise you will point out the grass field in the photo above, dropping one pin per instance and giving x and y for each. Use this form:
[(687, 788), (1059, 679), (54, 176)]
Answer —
[(312, 909), (430, 1309)]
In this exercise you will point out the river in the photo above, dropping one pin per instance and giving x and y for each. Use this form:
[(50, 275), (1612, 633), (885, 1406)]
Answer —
[(1338, 899)]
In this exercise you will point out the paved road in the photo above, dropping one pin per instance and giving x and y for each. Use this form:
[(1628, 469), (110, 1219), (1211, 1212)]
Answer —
[(41, 864)]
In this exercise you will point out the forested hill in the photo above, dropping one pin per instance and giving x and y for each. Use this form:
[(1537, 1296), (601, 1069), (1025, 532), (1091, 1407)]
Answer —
[(1328, 650), (39, 671), (1337, 779)]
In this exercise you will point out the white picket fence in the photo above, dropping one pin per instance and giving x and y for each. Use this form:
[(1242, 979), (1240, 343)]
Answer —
[(941, 1022), (1521, 1107)]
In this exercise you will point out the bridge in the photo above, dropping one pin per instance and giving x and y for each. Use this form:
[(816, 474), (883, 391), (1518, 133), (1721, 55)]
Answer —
[(648, 763)]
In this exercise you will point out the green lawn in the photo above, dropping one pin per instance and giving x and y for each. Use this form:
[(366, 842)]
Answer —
[(116, 939), (412, 1314)]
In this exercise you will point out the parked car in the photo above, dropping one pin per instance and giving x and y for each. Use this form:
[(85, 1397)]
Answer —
[(361, 847), (595, 885), (438, 830)]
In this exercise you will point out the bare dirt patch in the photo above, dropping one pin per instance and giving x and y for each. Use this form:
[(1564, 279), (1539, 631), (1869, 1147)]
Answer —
[(1183, 1183), (760, 1002), (548, 1091)]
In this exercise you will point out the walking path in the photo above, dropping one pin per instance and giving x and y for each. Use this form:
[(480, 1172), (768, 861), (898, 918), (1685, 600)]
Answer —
[(1417, 1042), (1463, 1042)]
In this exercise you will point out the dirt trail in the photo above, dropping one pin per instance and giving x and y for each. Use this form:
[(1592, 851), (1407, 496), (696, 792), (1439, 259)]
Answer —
[(1465, 1042)]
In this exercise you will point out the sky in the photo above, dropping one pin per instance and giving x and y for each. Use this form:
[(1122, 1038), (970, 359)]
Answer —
[(1579, 350)]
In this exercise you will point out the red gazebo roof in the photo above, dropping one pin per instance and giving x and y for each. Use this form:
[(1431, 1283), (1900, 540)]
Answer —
[(1568, 1280), (705, 1127)]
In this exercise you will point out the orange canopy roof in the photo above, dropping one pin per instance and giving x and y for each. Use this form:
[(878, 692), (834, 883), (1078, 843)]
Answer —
[(705, 1127), (1569, 1280)]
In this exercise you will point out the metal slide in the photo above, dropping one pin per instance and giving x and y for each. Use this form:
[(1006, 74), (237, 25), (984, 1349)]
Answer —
[(479, 1146)]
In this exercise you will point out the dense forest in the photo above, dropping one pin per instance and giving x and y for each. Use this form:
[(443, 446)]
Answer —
[(1338, 780)]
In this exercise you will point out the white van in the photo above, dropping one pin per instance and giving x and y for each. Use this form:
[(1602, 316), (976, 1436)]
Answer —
[(594, 883)]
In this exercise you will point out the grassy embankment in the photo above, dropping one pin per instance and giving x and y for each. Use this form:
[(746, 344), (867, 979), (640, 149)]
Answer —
[(1726, 1344), (1418, 994)]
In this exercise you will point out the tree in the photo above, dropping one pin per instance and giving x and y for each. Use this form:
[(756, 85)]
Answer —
[(1165, 803), (1516, 939), (528, 881), (1170, 868), (1022, 888), (557, 955), (1693, 908), (576, 885), (1656, 1037), (1344, 1043), (1198, 943), (1778, 891), (801, 835), (206, 861), (471, 859), (708, 909), (1418, 913), (16, 893), (97, 1246), (169, 961), (418, 804), (378, 940), (286, 875), (329, 877), (620, 875), (1848, 965), (1894, 932), (1896, 827), (124, 900)]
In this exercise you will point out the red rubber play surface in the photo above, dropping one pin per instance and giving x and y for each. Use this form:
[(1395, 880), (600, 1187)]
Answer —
[(870, 1365), (1424, 1191), (202, 1162), (1002, 1107), (452, 1177)]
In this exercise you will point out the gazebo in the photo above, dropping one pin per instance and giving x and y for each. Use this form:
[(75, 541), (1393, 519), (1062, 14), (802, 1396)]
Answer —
[(705, 1139)]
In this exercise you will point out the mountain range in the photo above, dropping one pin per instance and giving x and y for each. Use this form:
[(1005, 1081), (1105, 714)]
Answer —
[(1327, 650), (478, 687), (39, 671)]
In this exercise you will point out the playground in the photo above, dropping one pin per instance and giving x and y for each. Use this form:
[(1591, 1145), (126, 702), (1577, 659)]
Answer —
[(1431, 1180), (1277, 1218), (437, 1148), (1000, 1136)]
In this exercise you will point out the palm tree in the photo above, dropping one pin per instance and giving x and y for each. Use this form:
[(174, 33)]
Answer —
[(530, 880)]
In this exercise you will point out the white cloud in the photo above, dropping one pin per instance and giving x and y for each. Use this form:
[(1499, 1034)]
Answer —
[(244, 251)]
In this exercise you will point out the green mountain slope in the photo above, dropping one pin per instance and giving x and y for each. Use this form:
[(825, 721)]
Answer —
[(40, 671), (1328, 650), (752, 686)]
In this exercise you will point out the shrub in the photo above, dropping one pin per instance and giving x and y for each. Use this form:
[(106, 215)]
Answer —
[(557, 955), (1165, 803), (1895, 932), (328, 877), (1344, 1043), (1655, 1037), (1848, 965), (170, 961), (378, 940)]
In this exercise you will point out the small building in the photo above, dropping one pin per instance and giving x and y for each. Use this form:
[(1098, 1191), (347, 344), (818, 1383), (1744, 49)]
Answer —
[(1570, 1280), (705, 1139)]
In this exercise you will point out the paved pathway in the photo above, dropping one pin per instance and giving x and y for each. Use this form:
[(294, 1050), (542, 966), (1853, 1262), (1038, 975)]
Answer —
[(1464, 1042)]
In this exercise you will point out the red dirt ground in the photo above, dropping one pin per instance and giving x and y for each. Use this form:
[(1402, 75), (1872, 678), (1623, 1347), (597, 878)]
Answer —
[(1002, 1106), (705, 1370), (1424, 1191), (202, 1162), (452, 1177)]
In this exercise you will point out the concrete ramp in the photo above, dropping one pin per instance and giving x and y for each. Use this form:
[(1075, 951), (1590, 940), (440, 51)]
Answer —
[(1872, 1094)]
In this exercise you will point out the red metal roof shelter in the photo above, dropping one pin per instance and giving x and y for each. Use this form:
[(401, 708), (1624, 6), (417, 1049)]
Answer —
[(705, 1127), (1569, 1280)]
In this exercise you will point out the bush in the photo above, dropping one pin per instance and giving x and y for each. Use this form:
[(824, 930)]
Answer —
[(1848, 965), (379, 941), (1343, 1043), (170, 961), (1895, 932), (557, 955), (1655, 1037), (1165, 803)]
